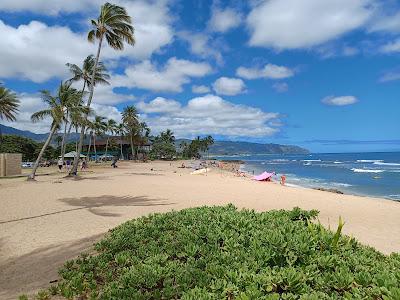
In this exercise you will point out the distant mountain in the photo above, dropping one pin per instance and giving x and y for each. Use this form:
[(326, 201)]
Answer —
[(237, 148), (234, 148), (219, 147), (38, 137)]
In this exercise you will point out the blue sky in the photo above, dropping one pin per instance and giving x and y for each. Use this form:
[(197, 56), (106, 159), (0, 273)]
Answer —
[(321, 74)]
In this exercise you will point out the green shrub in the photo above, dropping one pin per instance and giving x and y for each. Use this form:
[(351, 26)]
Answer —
[(223, 253)]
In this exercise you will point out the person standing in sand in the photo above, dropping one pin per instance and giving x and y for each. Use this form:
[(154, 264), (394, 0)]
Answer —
[(283, 179), (60, 164)]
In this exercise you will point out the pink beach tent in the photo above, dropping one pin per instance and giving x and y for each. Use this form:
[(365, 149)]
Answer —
[(263, 176)]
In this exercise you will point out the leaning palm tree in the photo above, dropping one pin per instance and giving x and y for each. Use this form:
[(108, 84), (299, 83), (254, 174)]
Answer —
[(110, 129), (131, 122), (114, 25), (54, 110), (9, 104)]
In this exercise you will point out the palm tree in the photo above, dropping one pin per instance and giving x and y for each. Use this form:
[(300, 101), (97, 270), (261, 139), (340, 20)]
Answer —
[(9, 104), (120, 130), (114, 25), (71, 100), (131, 122), (85, 73), (56, 111), (99, 127), (110, 128)]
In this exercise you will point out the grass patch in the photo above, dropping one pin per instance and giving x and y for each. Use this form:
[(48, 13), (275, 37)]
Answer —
[(223, 253)]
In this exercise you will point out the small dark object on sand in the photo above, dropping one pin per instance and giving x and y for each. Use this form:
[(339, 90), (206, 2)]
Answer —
[(329, 190)]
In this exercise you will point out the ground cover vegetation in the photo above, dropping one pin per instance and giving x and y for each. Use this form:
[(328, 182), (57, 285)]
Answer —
[(225, 253)]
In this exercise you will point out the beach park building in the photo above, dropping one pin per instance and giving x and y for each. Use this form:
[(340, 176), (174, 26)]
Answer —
[(118, 147)]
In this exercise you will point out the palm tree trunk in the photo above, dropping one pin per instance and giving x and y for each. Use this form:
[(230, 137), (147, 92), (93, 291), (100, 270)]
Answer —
[(65, 144), (63, 141), (106, 147), (90, 144), (133, 152), (46, 144), (120, 144), (74, 169), (94, 147)]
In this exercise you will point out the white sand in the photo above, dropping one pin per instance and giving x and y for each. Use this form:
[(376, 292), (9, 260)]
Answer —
[(44, 223)]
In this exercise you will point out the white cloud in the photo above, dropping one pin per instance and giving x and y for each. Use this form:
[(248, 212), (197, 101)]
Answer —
[(170, 78), (386, 23), (280, 87), (208, 114), (391, 47), (159, 105), (52, 7), (270, 71), (200, 89), (201, 45), (223, 20), (38, 52), (107, 111), (291, 24), (339, 101), (229, 86)]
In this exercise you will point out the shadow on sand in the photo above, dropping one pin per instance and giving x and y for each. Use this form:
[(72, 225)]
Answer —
[(94, 205), (28, 273)]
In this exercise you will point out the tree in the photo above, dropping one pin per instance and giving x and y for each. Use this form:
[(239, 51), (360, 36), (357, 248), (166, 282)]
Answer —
[(18, 144), (131, 122), (120, 131), (71, 99), (56, 111), (114, 25), (110, 129), (9, 104), (100, 77), (164, 145), (99, 127)]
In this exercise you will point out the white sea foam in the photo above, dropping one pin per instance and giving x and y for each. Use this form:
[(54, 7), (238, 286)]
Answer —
[(311, 160), (280, 160), (380, 163), (394, 197), (366, 171), (341, 184), (337, 162), (369, 160)]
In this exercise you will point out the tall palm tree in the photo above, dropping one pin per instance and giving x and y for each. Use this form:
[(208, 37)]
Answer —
[(120, 130), (110, 129), (54, 110), (99, 127), (114, 25), (131, 122), (71, 99), (9, 104)]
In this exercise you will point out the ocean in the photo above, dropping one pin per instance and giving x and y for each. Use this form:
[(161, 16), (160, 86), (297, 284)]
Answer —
[(374, 174)]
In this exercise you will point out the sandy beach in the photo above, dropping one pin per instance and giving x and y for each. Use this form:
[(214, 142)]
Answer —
[(46, 222)]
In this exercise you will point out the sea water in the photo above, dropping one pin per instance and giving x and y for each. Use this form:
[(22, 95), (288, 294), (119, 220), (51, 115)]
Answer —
[(374, 174)]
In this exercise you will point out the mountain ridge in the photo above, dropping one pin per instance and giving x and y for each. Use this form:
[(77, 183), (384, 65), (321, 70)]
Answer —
[(218, 148)]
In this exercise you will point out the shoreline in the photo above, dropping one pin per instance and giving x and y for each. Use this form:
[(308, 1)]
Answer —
[(326, 188), (45, 223)]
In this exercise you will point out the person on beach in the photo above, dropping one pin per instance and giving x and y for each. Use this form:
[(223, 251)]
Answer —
[(67, 165), (60, 164), (84, 165), (283, 179), (114, 163)]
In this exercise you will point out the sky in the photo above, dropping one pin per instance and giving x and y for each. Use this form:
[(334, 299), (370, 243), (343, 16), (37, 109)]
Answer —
[(324, 75)]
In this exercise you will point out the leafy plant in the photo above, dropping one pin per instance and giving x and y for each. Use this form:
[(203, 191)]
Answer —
[(224, 253)]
